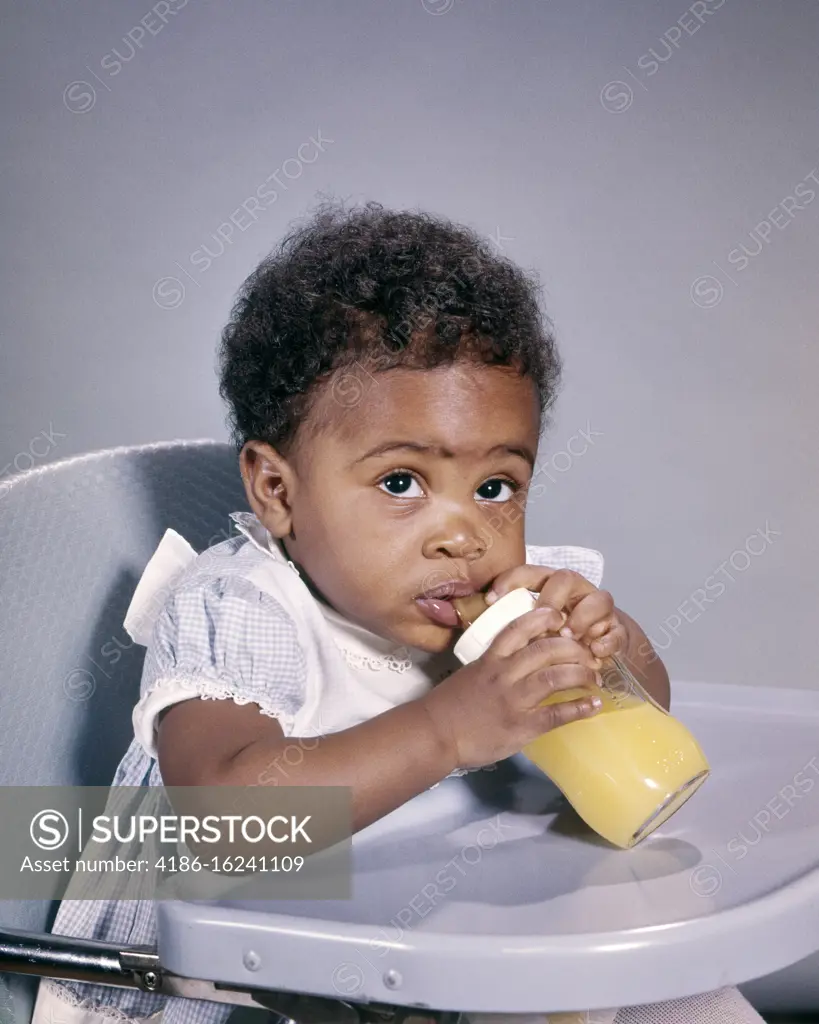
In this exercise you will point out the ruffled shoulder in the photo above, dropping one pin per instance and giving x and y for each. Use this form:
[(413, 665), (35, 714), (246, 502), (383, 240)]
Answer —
[(212, 633)]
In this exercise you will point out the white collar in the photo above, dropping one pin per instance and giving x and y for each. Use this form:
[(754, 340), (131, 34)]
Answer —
[(250, 526)]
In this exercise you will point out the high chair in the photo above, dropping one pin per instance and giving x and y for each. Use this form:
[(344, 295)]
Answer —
[(485, 894)]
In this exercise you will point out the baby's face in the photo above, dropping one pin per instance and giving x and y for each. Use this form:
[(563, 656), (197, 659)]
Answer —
[(375, 529)]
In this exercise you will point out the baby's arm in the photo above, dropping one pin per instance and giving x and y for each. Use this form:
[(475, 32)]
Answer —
[(483, 712), (222, 637), (386, 760)]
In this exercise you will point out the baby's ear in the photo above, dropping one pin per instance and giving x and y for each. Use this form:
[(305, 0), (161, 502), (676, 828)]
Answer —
[(269, 484)]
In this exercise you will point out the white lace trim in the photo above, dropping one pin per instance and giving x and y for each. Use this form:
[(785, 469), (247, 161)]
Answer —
[(237, 698), (399, 661), (209, 689), (69, 996)]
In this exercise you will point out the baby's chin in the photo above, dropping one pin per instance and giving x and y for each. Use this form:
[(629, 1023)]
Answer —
[(427, 637), (414, 630)]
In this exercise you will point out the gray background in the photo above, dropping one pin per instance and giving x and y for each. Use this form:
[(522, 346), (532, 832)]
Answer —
[(500, 115)]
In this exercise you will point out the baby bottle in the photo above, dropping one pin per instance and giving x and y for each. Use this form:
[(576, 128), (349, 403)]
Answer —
[(626, 769)]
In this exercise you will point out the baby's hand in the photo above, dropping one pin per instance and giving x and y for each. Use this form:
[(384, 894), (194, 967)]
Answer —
[(494, 706), (589, 614)]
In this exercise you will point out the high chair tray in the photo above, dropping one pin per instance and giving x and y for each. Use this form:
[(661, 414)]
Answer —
[(487, 893)]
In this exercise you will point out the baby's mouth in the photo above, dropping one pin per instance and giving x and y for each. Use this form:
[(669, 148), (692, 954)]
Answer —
[(456, 611), (439, 610)]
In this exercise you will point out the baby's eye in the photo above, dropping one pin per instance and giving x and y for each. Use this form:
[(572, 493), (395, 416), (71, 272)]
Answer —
[(491, 490), (399, 484)]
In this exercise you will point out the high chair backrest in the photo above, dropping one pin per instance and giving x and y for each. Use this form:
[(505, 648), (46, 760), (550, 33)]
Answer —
[(75, 536)]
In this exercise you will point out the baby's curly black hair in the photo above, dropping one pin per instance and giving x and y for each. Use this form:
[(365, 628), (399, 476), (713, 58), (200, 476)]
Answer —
[(382, 289)]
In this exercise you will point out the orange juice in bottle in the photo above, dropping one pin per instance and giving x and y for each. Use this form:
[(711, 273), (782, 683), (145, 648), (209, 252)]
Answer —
[(628, 767)]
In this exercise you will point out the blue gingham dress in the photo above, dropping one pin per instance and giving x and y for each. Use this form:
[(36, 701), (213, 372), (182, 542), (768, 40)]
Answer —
[(219, 630)]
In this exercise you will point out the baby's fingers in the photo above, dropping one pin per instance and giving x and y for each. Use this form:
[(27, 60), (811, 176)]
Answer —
[(549, 652), (599, 629), (592, 610), (563, 712), (524, 629), (545, 682), (612, 642)]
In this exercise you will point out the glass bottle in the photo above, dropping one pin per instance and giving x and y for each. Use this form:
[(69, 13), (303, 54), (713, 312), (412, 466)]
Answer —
[(627, 768)]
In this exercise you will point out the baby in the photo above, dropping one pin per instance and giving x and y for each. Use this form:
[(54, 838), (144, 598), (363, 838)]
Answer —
[(388, 377)]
